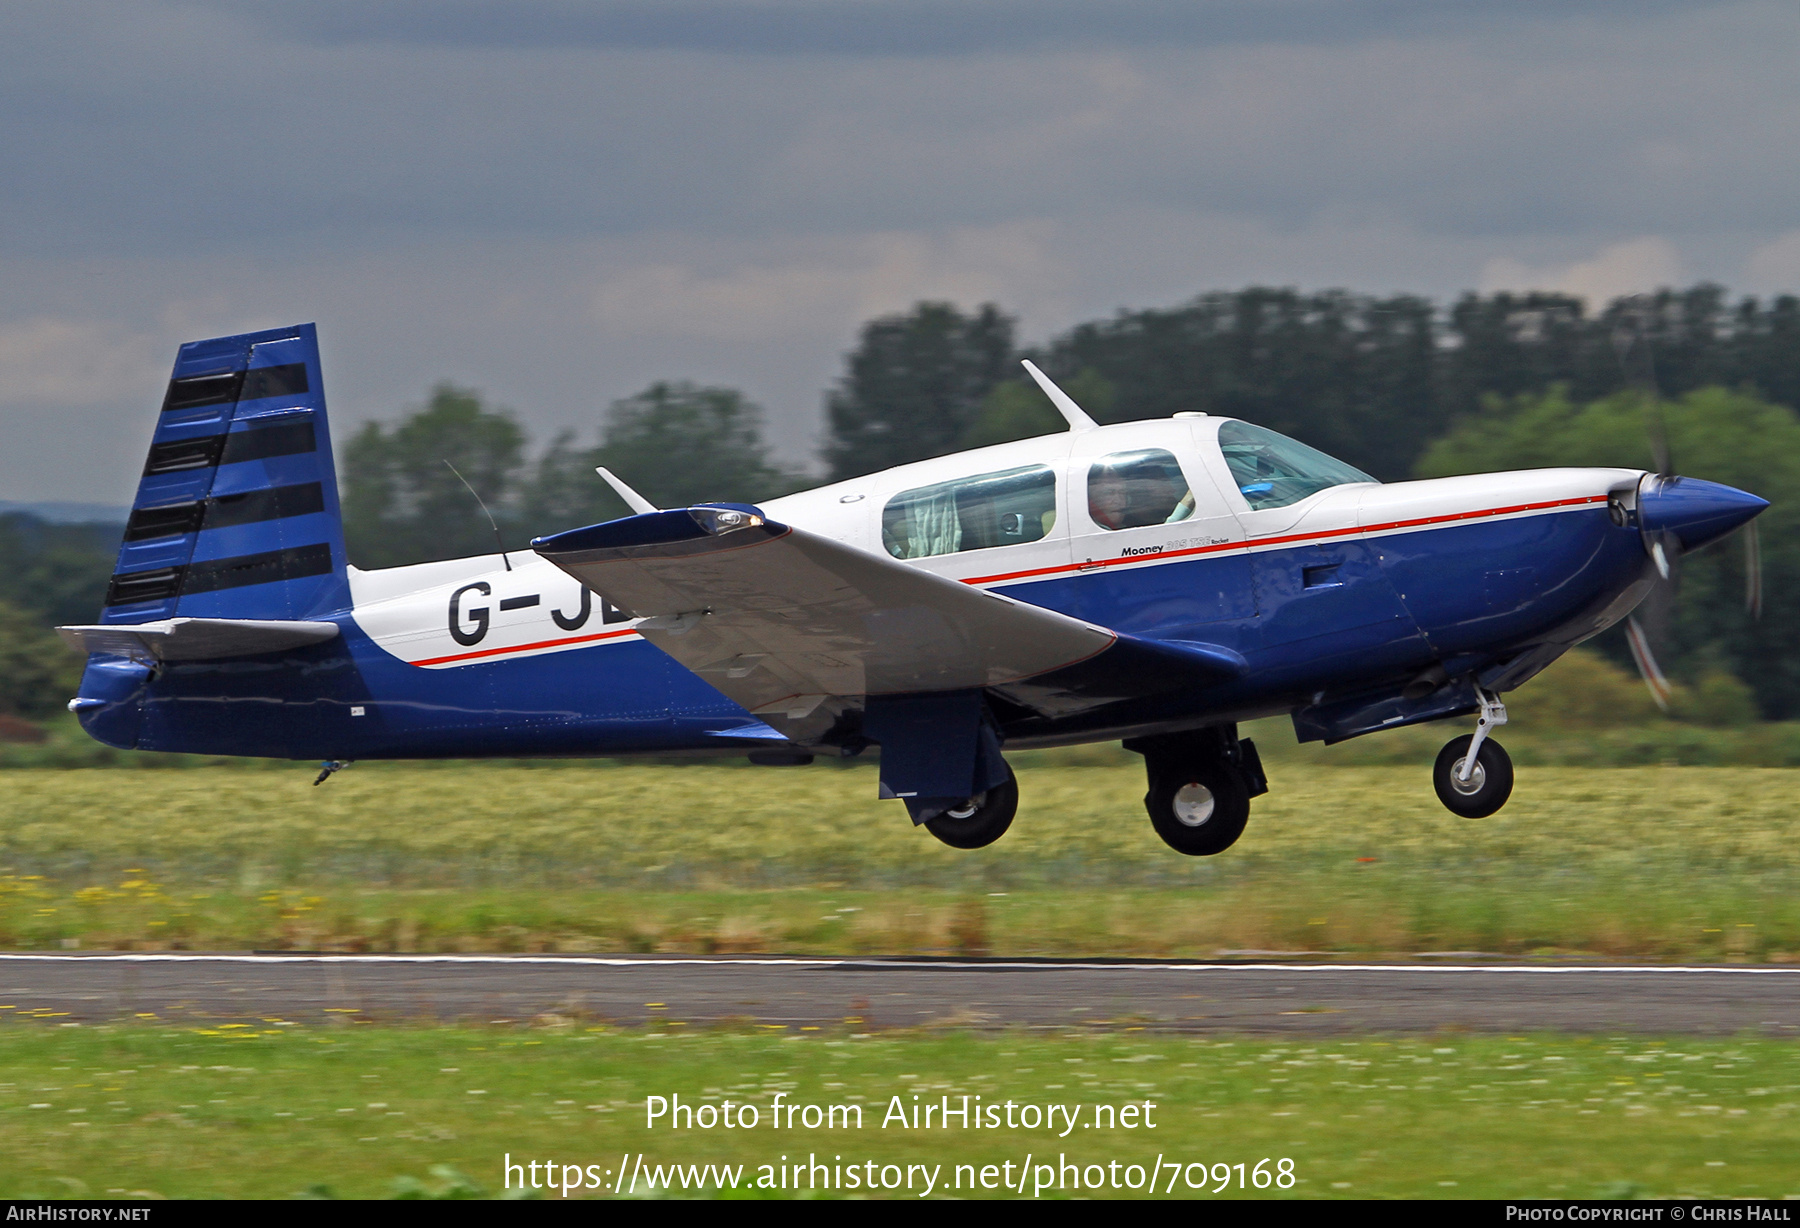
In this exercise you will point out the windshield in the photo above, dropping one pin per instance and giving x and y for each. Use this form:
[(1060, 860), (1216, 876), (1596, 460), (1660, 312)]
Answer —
[(1272, 470)]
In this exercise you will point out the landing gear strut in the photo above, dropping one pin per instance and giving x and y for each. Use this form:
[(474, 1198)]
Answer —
[(1201, 784), (1474, 774)]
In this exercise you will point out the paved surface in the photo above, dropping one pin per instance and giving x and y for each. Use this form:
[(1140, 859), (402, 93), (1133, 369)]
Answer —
[(906, 993)]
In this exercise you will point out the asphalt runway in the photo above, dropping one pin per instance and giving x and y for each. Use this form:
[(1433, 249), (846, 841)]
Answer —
[(878, 994)]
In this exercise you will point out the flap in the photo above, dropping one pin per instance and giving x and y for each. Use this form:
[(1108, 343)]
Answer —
[(197, 639)]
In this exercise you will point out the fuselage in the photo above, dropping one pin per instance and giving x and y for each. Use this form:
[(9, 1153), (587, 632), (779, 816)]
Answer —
[(1337, 600)]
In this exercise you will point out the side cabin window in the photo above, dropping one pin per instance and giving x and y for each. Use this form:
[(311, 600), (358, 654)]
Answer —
[(992, 509), (1128, 490), (1272, 470)]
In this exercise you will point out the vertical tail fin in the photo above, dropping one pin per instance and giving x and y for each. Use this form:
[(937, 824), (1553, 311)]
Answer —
[(236, 515)]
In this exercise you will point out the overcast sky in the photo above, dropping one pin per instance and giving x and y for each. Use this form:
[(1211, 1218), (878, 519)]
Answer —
[(559, 201)]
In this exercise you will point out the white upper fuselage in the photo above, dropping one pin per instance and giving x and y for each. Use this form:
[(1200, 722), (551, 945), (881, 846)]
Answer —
[(405, 609)]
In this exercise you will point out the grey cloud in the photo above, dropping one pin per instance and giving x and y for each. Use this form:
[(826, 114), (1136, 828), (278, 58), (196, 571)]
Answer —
[(176, 129), (906, 27)]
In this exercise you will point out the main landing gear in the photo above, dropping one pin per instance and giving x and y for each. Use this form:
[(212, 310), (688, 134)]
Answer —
[(980, 820), (1201, 783), (1474, 774)]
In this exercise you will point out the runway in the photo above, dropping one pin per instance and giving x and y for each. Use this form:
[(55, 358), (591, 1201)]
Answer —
[(874, 994)]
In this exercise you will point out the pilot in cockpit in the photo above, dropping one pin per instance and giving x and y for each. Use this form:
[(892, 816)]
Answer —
[(1129, 490)]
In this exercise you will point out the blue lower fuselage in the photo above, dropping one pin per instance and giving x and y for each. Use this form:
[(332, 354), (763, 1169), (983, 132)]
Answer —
[(1314, 621)]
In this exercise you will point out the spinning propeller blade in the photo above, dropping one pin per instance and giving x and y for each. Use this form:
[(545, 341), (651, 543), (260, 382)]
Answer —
[(1646, 662), (1753, 584)]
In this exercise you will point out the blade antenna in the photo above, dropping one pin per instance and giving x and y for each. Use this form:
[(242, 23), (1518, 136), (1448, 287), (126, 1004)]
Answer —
[(1065, 404), (498, 544), (633, 500)]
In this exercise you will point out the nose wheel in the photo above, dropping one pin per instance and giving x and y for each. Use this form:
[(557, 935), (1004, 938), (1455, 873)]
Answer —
[(1474, 774)]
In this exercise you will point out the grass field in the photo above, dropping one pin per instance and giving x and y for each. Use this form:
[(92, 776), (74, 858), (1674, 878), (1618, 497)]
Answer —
[(1641, 863), (274, 1111)]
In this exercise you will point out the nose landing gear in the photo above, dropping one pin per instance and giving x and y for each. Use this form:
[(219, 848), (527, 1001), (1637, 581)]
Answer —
[(1474, 774)]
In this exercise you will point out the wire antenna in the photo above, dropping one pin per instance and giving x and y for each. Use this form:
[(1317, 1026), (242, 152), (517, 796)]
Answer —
[(501, 546)]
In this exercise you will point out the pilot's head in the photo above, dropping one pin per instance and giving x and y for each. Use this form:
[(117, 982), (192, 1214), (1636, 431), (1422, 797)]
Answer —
[(1109, 498)]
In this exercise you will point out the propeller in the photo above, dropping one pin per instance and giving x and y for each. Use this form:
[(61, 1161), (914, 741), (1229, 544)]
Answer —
[(1631, 343)]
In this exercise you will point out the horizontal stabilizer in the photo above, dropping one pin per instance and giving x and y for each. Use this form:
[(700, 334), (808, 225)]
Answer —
[(197, 639)]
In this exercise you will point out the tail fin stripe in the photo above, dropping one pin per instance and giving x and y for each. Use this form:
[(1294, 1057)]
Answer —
[(265, 568), (239, 571), (225, 511), (211, 451), (170, 520), (176, 455), (286, 380), (262, 442), (194, 391), (254, 506), (139, 586)]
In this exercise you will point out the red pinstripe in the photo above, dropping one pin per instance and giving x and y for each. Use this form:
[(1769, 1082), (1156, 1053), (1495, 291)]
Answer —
[(1321, 535), (1288, 539)]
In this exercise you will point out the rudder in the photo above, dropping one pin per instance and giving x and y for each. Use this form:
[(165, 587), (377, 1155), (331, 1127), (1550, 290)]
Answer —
[(237, 513)]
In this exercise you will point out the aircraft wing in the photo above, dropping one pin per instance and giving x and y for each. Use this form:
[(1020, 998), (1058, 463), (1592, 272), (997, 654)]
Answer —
[(197, 639), (795, 626)]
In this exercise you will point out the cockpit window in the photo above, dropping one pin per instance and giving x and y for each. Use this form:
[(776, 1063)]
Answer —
[(1272, 470), (993, 509), (1129, 490)]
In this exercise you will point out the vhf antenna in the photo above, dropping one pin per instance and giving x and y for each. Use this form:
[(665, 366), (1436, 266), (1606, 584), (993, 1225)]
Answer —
[(484, 511)]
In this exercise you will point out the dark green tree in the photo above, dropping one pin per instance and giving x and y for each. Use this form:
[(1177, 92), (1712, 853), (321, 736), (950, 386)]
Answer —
[(403, 504), (676, 443), (1351, 374), (38, 672), (914, 386), (57, 573)]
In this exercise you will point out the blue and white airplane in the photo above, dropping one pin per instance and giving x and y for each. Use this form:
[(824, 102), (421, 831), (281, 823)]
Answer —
[(1153, 582)]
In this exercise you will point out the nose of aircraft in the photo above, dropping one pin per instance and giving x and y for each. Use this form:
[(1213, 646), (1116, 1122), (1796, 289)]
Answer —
[(1695, 511)]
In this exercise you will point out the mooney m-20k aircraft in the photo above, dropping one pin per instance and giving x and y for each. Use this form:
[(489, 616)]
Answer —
[(1153, 582)]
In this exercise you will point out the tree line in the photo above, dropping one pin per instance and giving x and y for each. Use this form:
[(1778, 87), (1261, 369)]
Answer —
[(1399, 386), (1369, 379)]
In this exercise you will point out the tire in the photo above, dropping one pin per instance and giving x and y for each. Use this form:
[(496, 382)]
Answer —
[(981, 820), (1489, 786), (1179, 810)]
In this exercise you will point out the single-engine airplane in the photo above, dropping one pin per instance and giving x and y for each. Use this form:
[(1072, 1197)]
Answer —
[(1153, 582)]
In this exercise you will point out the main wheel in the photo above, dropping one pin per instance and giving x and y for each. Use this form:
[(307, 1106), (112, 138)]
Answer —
[(1488, 786), (1200, 810), (981, 820)]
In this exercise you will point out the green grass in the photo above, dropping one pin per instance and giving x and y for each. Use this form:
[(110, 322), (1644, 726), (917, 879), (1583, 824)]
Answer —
[(275, 1110), (1648, 863)]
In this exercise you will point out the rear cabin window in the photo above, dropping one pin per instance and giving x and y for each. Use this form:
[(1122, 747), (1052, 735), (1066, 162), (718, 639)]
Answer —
[(1272, 470), (993, 509), (1129, 490)]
